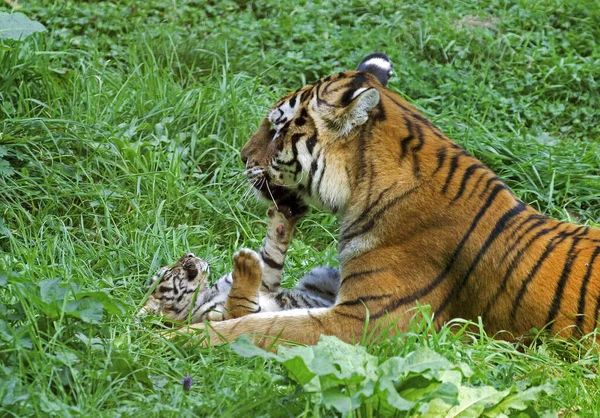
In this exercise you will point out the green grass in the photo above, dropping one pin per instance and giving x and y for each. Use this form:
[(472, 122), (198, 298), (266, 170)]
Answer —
[(120, 131)]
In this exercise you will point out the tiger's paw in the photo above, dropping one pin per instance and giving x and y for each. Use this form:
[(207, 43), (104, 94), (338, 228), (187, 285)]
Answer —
[(247, 266), (281, 222)]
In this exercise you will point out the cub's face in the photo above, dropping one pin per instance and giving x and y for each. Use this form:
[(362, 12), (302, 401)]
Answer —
[(177, 285), (304, 134)]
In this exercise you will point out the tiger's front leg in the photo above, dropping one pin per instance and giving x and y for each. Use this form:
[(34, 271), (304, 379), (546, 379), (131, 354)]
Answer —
[(346, 320), (303, 326)]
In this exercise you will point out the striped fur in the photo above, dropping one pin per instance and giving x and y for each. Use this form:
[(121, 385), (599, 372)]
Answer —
[(421, 221), (253, 286)]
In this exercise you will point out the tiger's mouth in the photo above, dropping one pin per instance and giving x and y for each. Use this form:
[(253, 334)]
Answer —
[(261, 182)]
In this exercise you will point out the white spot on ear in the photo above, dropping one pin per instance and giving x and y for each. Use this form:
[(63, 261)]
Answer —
[(379, 62)]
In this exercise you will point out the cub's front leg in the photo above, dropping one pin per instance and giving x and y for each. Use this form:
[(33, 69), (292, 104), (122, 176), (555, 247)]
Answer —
[(243, 298)]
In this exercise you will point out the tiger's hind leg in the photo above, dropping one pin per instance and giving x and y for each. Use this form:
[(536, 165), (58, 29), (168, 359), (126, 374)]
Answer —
[(247, 275)]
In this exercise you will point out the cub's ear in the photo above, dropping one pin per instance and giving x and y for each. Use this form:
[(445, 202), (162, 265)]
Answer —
[(377, 64)]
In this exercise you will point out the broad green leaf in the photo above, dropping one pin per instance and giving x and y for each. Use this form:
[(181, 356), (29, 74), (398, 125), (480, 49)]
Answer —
[(473, 401), (51, 291), (425, 359), (244, 347), (11, 391), (5, 168), (5, 333), (87, 309), (123, 365), (18, 26), (391, 396), (337, 400), (520, 400), (111, 305)]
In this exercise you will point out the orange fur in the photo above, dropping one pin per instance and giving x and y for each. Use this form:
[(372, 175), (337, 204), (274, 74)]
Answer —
[(421, 221)]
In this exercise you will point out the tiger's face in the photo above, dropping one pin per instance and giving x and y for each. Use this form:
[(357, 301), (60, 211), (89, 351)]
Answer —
[(297, 152), (177, 285)]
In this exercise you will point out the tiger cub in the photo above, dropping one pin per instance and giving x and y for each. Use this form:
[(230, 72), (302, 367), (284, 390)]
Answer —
[(253, 286)]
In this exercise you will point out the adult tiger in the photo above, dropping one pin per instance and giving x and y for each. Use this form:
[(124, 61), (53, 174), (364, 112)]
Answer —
[(421, 220)]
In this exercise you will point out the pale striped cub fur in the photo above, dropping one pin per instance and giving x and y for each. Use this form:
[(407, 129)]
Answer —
[(253, 286)]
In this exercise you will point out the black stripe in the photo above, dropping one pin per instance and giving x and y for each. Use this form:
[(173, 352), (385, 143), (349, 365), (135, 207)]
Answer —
[(417, 116), (441, 157), (436, 131), (364, 299), (306, 303), (268, 260), (323, 168), (476, 185), (315, 318), (596, 310), (242, 298), (315, 289), (360, 274), (443, 275), (347, 315), (311, 173), (310, 143), (164, 289), (415, 151), (533, 272), (180, 309), (279, 162), (371, 223), (451, 171), (498, 229), (210, 308), (292, 301), (511, 246), (247, 308), (369, 188), (514, 264), (365, 213), (406, 141), (466, 176), (584, 285), (488, 184), (564, 277)]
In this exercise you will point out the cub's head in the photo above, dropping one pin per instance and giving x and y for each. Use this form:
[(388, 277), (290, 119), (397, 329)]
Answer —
[(177, 286), (294, 154)]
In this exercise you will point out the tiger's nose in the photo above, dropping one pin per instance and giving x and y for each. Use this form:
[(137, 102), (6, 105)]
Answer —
[(244, 157)]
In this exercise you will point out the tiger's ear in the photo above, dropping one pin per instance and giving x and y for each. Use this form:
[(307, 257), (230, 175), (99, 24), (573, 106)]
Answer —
[(379, 65), (356, 113)]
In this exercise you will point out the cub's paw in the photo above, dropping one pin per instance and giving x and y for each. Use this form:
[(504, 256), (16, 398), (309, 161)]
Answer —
[(247, 264)]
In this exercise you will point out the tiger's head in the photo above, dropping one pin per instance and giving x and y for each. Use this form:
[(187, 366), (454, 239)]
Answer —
[(290, 157), (178, 284)]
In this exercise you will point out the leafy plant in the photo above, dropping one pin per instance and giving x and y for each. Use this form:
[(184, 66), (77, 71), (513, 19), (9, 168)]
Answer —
[(345, 378), (18, 26)]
